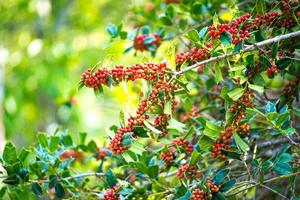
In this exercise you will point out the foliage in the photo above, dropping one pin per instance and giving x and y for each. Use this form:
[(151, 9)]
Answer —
[(210, 123)]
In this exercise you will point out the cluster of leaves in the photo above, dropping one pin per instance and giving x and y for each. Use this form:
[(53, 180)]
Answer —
[(223, 106)]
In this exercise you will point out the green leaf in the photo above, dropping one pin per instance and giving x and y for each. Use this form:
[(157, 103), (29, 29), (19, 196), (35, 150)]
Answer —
[(238, 47), (220, 176), (266, 165), (153, 171), (52, 181), (196, 155), (283, 168), (203, 32), (226, 39), (140, 131), (212, 130), (67, 140), (236, 93), (193, 35), (165, 20), (218, 72), (260, 6), (174, 124), (137, 147), (2, 191), (82, 137), (37, 190), (282, 117), (168, 108), (10, 153), (153, 129), (122, 118), (228, 185), (275, 49), (54, 141), (59, 190), (205, 143), (110, 178), (141, 167), (127, 139), (92, 146), (42, 139), (215, 20), (24, 154), (240, 142), (257, 88), (283, 63)]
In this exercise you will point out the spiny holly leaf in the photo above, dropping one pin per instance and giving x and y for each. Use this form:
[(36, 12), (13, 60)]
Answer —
[(140, 131), (110, 178), (283, 63), (10, 153)]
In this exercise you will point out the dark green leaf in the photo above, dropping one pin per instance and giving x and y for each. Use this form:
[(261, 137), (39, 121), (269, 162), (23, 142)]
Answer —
[(110, 178), (283, 168), (92, 146), (59, 190), (227, 186), (283, 63), (274, 50), (165, 20), (127, 139), (153, 171), (266, 165), (140, 131), (220, 175), (37, 190), (238, 47), (226, 39)]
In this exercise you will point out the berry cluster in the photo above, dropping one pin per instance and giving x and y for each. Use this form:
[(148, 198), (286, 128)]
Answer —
[(144, 42), (193, 56), (239, 29), (180, 142), (188, 172), (198, 194), (168, 156), (213, 187), (103, 76), (193, 113), (222, 144), (110, 194), (238, 108), (272, 71)]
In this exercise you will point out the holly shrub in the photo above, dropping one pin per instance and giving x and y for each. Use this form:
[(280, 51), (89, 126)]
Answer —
[(217, 118)]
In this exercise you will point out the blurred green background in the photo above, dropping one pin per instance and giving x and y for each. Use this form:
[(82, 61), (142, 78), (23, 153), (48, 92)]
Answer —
[(45, 46)]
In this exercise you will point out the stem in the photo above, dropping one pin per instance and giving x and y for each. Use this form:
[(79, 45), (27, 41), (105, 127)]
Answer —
[(72, 177), (254, 184), (247, 49)]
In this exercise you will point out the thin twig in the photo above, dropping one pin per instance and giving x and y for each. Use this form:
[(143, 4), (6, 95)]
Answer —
[(247, 49)]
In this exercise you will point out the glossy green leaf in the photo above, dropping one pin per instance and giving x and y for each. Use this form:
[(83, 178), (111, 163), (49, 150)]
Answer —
[(240, 142)]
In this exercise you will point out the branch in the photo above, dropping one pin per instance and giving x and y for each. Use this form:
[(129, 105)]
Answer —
[(254, 184), (247, 49), (71, 177)]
